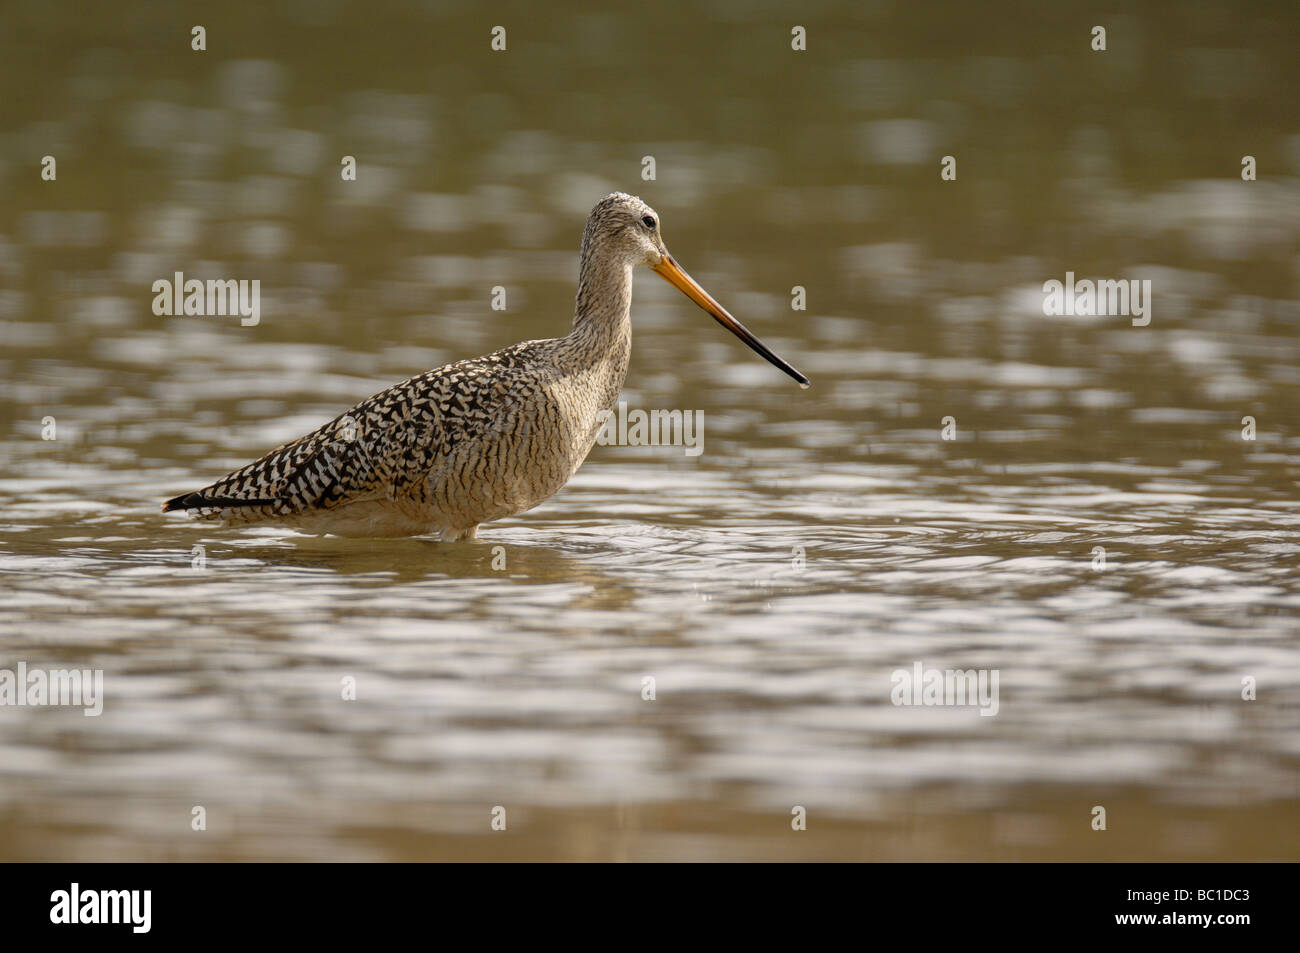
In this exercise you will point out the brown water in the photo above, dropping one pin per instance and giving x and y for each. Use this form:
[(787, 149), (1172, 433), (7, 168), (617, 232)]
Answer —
[(771, 585)]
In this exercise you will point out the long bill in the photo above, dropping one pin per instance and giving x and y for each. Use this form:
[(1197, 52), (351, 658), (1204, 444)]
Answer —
[(670, 271)]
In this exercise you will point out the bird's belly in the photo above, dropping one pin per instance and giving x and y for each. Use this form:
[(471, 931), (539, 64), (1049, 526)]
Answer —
[(524, 463), (502, 484)]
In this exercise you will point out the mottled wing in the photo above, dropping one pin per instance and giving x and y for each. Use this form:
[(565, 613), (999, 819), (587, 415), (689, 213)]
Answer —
[(383, 448), (343, 461)]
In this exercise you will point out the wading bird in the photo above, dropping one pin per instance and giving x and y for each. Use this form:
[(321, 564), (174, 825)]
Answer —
[(479, 439)]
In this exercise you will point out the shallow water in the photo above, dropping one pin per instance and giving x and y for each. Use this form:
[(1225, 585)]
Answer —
[(771, 585)]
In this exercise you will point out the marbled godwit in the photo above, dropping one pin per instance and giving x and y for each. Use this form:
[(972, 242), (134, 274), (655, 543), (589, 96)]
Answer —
[(479, 439)]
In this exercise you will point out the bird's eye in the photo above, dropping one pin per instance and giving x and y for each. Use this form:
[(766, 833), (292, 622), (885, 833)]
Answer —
[(648, 222)]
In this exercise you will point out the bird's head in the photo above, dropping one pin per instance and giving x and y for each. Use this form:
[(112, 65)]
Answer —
[(627, 228)]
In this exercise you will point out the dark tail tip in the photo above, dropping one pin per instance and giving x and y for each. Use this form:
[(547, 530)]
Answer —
[(197, 500), (183, 502)]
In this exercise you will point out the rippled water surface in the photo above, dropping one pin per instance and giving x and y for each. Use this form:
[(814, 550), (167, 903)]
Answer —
[(1114, 527)]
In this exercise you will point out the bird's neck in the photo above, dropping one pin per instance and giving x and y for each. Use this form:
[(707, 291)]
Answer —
[(604, 299), (601, 339)]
